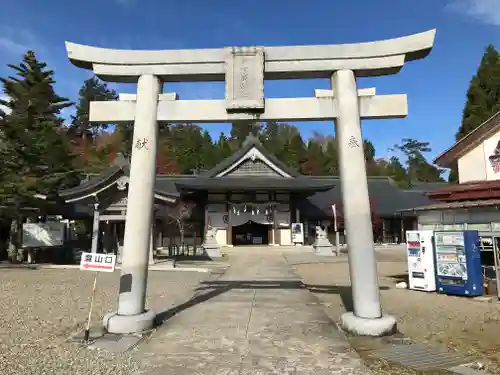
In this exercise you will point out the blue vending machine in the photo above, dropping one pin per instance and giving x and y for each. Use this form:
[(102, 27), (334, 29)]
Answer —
[(458, 263)]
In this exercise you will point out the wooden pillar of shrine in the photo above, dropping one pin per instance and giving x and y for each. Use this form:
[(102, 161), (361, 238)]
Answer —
[(276, 232), (229, 228)]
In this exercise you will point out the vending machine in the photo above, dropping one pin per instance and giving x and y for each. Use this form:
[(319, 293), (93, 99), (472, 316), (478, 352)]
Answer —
[(458, 262), (421, 265)]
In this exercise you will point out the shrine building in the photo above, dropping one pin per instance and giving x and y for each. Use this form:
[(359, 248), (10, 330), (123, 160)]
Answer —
[(250, 198)]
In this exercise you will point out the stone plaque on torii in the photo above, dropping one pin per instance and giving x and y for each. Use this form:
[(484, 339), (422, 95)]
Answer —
[(244, 71)]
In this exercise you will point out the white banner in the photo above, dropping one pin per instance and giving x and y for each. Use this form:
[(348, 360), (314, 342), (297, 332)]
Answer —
[(298, 233)]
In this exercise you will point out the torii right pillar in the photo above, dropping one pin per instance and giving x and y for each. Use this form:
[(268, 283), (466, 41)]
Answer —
[(367, 317)]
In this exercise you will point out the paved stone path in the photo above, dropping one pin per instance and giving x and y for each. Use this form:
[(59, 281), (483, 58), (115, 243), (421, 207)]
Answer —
[(257, 318)]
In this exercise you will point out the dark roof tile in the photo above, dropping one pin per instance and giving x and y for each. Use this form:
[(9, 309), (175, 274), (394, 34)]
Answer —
[(386, 198), (251, 183)]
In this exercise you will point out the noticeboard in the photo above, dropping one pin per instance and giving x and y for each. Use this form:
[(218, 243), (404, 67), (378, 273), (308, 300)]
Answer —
[(48, 234)]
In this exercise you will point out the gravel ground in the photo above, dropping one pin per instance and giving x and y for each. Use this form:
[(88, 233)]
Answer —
[(449, 323), (41, 309)]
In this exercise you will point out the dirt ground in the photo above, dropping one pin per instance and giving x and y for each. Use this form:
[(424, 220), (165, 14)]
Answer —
[(41, 309), (455, 324)]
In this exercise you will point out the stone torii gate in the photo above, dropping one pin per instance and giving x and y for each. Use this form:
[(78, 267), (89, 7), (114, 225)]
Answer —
[(244, 71)]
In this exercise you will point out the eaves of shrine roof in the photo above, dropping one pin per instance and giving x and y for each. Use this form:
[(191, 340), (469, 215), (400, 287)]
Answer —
[(99, 183), (471, 140), (92, 185), (438, 206)]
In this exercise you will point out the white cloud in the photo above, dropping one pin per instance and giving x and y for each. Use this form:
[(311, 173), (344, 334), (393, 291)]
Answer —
[(15, 42), (486, 11), (18, 41), (10, 45), (3, 108)]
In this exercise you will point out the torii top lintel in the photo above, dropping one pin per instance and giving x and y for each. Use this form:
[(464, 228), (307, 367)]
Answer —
[(366, 59)]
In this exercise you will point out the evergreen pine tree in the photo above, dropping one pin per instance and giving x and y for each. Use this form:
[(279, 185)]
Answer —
[(241, 129), (271, 138), (294, 151), (223, 149), (208, 152), (418, 169), (36, 153), (315, 161), (483, 95), (397, 171), (332, 160), (92, 90), (483, 98)]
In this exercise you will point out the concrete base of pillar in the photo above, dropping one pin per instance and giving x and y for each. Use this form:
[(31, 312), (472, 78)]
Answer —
[(386, 325), (323, 247), (212, 252), (325, 250), (114, 323)]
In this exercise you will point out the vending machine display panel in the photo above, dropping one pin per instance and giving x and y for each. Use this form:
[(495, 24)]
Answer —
[(458, 263)]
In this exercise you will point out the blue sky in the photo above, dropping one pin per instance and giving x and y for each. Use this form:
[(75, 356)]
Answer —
[(436, 86)]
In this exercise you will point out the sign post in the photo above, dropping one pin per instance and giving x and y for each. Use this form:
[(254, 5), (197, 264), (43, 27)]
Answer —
[(98, 263), (87, 330)]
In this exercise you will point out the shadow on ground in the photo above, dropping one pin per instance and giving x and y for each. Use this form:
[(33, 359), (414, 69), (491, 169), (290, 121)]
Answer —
[(211, 289)]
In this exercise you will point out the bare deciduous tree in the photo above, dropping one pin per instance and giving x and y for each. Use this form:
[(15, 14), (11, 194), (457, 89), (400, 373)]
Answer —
[(179, 213)]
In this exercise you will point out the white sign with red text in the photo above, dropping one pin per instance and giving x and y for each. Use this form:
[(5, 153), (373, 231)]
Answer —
[(98, 262)]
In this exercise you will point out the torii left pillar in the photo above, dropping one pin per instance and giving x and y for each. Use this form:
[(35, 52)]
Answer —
[(131, 315)]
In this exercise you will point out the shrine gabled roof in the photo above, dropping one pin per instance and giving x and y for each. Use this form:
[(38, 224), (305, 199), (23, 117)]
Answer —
[(471, 140), (251, 142)]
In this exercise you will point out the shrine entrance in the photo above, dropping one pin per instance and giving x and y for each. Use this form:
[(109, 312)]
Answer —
[(244, 70), (251, 233)]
